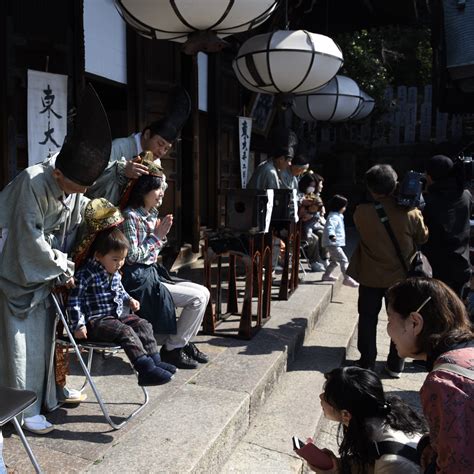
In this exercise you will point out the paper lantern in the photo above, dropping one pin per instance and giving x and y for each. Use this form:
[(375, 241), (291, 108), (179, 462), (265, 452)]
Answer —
[(175, 20), (334, 102), (365, 108), (287, 62)]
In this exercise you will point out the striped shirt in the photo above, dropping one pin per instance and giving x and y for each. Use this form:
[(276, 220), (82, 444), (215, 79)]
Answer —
[(97, 294), (138, 227)]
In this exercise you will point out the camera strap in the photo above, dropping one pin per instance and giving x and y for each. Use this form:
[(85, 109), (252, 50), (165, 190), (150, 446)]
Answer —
[(380, 448), (384, 220)]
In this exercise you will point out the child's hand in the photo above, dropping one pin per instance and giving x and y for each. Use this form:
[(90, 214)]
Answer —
[(80, 333), (134, 304), (71, 283)]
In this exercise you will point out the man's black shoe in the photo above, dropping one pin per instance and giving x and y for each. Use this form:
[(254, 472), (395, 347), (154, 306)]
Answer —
[(178, 358), (192, 351)]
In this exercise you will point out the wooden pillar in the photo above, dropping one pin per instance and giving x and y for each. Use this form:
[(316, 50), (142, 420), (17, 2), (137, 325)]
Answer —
[(196, 184)]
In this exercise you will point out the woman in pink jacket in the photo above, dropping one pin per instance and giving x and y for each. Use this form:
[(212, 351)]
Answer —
[(427, 320)]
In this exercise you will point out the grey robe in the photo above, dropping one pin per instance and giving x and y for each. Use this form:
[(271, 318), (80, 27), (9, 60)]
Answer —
[(265, 176), (288, 179), (32, 210), (113, 180)]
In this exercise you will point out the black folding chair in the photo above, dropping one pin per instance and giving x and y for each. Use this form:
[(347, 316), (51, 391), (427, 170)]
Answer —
[(89, 346), (14, 402)]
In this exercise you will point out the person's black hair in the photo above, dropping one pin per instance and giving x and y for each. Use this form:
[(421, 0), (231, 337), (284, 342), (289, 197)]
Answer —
[(360, 392), (307, 179), (110, 240), (143, 186), (336, 203), (381, 179)]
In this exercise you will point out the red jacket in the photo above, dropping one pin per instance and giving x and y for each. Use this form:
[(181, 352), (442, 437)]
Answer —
[(448, 405)]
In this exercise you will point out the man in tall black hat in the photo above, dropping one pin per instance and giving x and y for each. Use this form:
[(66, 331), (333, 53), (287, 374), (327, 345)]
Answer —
[(282, 147), (40, 211), (157, 137)]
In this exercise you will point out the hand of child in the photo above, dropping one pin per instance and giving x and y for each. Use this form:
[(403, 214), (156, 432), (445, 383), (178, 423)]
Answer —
[(71, 283), (134, 304), (80, 333), (163, 226)]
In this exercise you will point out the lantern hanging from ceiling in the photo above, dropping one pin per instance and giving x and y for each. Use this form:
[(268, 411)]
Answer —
[(336, 101), (365, 107), (181, 20), (287, 62)]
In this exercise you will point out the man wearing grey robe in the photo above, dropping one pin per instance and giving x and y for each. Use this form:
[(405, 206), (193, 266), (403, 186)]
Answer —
[(158, 137), (40, 222), (267, 175), (39, 212)]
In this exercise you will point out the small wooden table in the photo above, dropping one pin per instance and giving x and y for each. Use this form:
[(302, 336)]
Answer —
[(289, 232), (255, 252)]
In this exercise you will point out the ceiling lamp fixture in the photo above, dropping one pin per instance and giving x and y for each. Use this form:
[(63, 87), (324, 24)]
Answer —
[(336, 101), (365, 108), (200, 24), (287, 62)]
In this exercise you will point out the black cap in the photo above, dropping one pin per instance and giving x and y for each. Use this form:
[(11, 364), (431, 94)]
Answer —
[(86, 152), (178, 112), (439, 167), (283, 142), (300, 160)]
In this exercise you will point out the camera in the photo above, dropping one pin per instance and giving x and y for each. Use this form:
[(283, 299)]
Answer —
[(411, 189)]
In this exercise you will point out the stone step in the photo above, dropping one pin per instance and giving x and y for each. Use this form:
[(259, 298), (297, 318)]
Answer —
[(294, 408), (197, 427), (191, 424)]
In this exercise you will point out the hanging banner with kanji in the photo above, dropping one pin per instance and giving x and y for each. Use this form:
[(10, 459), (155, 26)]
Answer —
[(47, 114), (245, 130)]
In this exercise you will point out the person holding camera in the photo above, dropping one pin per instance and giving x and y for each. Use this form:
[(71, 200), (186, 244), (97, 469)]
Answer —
[(447, 212), (375, 263)]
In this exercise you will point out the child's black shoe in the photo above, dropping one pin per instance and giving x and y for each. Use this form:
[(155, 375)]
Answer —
[(149, 373), (163, 365)]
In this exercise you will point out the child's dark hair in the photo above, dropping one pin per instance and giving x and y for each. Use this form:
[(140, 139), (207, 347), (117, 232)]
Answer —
[(360, 392), (109, 240), (336, 203), (143, 186)]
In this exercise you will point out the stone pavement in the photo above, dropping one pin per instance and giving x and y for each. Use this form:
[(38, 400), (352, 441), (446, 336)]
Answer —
[(191, 424), (294, 409), (235, 414)]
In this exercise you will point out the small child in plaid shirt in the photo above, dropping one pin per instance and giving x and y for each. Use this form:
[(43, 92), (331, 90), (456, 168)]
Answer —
[(96, 309)]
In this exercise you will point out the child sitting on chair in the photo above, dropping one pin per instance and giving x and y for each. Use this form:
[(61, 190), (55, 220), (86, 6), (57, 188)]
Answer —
[(96, 305)]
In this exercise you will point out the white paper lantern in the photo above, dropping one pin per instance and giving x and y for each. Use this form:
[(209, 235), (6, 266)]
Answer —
[(176, 19), (335, 101), (365, 108), (287, 62)]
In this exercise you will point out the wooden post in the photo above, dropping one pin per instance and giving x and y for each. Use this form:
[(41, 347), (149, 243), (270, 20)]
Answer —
[(196, 181)]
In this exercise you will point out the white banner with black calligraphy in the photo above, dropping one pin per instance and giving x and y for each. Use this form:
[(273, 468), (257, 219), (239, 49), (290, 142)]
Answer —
[(47, 114), (245, 131)]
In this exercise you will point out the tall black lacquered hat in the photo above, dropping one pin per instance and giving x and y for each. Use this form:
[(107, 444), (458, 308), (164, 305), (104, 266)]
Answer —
[(283, 142), (178, 112), (86, 151)]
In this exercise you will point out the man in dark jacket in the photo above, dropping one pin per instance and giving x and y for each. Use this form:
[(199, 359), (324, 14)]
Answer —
[(447, 213)]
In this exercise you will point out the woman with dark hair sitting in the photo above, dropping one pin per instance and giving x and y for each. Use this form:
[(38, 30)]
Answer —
[(149, 282), (377, 433), (427, 321)]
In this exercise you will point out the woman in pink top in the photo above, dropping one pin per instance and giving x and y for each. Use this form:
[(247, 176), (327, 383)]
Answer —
[(427, 320)]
